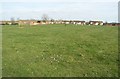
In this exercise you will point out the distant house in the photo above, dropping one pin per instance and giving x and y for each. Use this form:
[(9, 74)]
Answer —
[(51, 22), (0, 22), (95, 22), (29, 22), (5, 22), (118, 24), (78, 22), (66, 22), (8, 23), (24, 22), (44, 22), (62, 22), (34, 22), (112, 24), (57, 22)]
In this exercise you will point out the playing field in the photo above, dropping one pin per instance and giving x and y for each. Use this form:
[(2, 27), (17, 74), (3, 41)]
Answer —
[(60, 51)]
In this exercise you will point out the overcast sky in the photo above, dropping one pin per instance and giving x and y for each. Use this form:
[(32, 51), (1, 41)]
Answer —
[(105, 10)]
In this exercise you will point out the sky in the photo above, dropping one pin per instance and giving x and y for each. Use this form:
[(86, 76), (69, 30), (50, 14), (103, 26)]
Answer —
[(104, 10)]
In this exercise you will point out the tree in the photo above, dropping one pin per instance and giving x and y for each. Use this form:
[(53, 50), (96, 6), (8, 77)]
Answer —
[(52, 20), (12, 20), (18, 19), (45, 17)]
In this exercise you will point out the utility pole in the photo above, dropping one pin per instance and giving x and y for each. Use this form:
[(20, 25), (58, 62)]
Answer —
[(119, 12)]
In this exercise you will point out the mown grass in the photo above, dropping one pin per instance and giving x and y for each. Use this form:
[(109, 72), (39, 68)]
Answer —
[(60, 51)]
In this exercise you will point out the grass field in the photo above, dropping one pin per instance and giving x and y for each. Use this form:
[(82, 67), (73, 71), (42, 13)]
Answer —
[(60, 51)]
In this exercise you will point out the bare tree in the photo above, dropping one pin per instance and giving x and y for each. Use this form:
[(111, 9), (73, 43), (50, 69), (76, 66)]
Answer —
[(18, 19), (45, 17), (52, 20), (12, 20)]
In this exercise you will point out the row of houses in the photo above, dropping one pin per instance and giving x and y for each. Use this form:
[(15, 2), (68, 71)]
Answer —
[(40, 22)]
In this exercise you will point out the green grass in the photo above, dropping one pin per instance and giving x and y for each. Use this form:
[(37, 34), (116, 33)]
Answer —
[(60, 51)]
